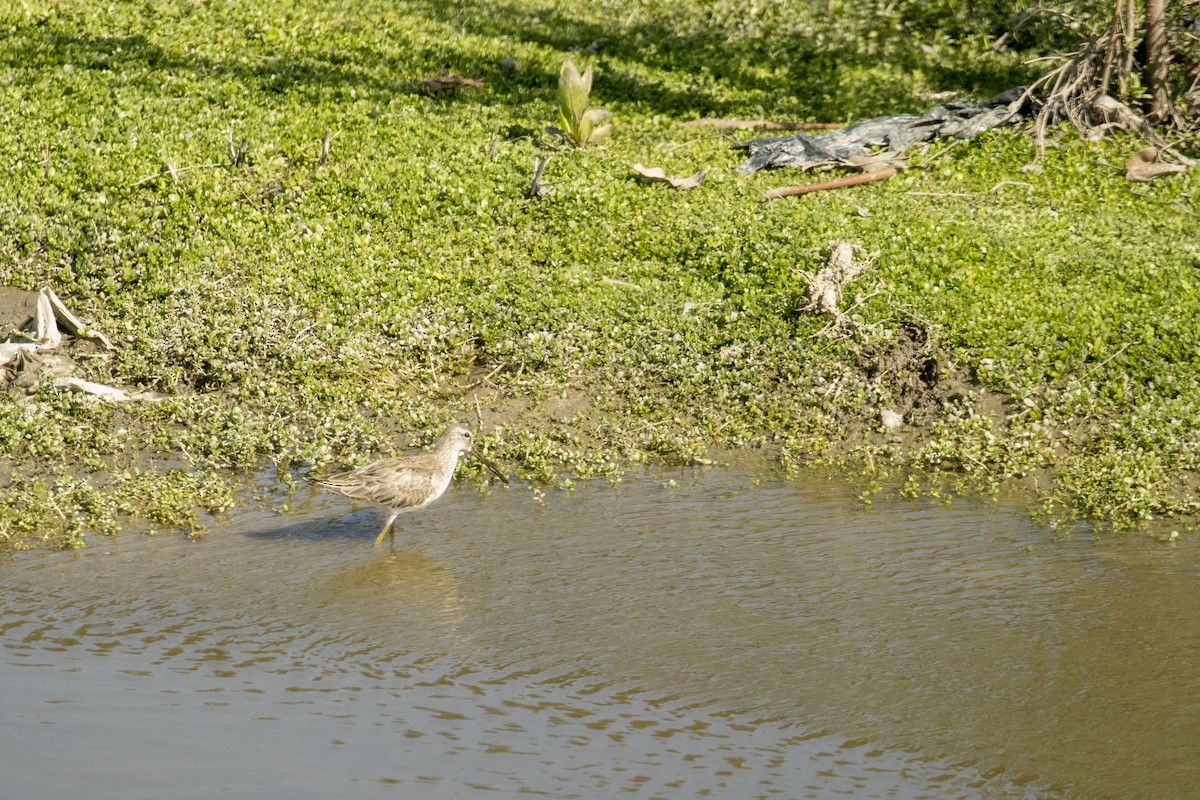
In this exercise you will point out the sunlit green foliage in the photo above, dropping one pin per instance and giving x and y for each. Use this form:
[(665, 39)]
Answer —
[(581, 123), (164, 174)]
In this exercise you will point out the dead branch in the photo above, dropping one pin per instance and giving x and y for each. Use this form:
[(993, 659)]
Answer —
[(826, 287), (1080, 89), (764, 124), (238, 153), (536, 187), (1158, 54), (1022, 184), (839, 183)]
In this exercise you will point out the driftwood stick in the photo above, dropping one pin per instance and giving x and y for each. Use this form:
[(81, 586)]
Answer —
[(839, 183), (747, 124)]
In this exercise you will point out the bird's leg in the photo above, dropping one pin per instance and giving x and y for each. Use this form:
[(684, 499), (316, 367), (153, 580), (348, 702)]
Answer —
[(387, 528)]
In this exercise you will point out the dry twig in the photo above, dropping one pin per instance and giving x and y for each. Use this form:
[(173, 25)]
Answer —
[(326, 145), (748, 124), (826, 287), (1076, 91), (536, 187), (839, 183)]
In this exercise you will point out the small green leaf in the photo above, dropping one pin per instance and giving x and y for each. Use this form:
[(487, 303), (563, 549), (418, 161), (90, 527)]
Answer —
[(573, 91), (597, 126), (579, 123), (596, 116)]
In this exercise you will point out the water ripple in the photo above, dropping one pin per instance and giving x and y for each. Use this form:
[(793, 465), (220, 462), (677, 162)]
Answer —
[(732, 637)]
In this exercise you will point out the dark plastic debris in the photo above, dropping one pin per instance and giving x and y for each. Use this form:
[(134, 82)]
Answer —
[(960, 119)]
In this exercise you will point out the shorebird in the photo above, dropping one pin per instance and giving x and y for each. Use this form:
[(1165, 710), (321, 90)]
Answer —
[(407, 483)]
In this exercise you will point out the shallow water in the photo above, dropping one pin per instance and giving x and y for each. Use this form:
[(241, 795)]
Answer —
[(736, 636)]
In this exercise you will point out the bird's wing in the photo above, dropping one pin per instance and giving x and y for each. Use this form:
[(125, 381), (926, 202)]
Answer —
[(395, 483)]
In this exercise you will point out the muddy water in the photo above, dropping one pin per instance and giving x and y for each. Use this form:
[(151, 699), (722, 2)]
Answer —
[(733, 637)]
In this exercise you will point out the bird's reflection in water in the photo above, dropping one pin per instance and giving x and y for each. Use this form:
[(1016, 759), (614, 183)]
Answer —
[(397, 591)]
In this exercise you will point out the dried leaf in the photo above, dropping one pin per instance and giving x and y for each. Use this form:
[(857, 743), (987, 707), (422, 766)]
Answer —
[(657, 174), (1144, 166), (70, 322), (448, 83)]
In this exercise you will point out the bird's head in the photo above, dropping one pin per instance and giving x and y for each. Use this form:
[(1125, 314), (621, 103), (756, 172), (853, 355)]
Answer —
[(458, 439)]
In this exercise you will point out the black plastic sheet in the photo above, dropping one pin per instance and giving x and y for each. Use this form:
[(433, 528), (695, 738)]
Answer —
[(960, 119)]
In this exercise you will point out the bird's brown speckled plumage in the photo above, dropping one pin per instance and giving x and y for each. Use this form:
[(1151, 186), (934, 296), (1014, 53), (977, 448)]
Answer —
[(407, 483)]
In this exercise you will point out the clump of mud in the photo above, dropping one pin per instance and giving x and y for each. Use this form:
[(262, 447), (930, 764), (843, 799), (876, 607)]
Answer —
[(908, 369)]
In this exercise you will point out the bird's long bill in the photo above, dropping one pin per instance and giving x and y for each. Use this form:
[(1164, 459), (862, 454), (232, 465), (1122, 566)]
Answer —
[(495, 470)]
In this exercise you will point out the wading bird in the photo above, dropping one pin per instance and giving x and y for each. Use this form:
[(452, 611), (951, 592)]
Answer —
[(410, 482)]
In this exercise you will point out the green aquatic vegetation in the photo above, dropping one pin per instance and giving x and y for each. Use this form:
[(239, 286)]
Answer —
[(40, 512), (310, 300), (171, 498), (60, 512)]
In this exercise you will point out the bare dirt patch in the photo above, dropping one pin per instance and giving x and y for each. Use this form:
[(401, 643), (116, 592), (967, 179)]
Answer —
[(910, 370)]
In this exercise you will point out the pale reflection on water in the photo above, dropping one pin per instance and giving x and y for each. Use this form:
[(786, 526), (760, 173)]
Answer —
[(728, 638)]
